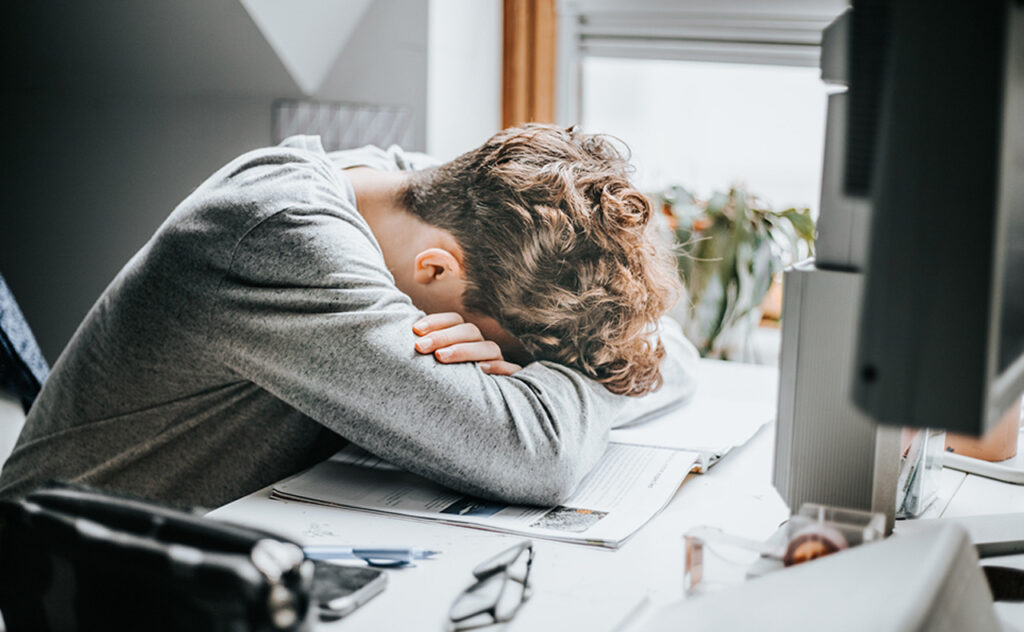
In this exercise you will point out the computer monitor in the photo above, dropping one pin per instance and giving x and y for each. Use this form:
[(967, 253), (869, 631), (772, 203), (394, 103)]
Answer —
[(936, 142)]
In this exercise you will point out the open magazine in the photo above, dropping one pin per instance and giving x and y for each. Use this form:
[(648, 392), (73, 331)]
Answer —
[(628, 486)]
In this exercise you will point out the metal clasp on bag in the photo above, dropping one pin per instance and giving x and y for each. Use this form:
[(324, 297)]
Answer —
[(274, 559)]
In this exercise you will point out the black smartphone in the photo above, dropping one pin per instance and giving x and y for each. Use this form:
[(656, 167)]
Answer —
[(338, 590)]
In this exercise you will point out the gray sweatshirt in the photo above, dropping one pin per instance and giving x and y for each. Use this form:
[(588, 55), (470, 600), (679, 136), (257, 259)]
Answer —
[(258, 330)]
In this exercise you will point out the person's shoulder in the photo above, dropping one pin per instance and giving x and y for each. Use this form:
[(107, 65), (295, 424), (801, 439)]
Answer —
[(254, 187), (266, 180), (394, 158), (303, 142), (294, 156)]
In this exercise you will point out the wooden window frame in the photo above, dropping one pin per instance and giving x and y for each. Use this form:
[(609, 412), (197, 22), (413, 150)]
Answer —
[(529, 34)]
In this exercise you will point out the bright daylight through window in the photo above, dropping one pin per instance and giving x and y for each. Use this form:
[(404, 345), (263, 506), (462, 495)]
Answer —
[(706, 126)]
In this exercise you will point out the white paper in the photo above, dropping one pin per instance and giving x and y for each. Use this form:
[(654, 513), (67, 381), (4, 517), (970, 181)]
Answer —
[(732, 402), (627, 487)]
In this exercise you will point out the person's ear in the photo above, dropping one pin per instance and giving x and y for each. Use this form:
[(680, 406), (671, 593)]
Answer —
[(436, 264)]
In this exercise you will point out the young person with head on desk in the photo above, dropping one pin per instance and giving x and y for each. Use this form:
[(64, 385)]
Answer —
[(279, 311)]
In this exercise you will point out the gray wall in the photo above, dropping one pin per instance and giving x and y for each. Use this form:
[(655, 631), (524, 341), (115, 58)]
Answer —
[(87, 181), (116, 110), (385, 61)]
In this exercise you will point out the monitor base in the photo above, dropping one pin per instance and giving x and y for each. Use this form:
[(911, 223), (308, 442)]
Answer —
[(1009, 471)]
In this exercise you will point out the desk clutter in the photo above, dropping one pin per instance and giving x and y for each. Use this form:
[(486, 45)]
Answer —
[(928, 581), (716, 560), (641, 582)]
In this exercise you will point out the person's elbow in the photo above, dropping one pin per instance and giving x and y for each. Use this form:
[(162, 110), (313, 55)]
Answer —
[(559, 487), (544, 482), (548, 441)]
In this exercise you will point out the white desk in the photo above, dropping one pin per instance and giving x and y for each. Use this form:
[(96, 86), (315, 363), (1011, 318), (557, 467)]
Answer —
[(575, 587), (573, 583)]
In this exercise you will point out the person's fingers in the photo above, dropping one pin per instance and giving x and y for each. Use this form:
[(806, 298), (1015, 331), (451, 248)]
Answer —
[(481, 351), (499, 367), (433, 322), (466, 332)]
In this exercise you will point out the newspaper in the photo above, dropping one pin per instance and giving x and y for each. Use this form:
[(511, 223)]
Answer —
[(628, 487)]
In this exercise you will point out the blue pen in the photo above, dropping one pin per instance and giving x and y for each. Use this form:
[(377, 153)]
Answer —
[(377, 556)]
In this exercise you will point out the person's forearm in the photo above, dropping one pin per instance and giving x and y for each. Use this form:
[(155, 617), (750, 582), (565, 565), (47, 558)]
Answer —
[(530, 438)]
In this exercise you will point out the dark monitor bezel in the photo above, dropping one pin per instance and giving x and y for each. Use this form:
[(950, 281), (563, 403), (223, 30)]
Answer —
[(943, 187)]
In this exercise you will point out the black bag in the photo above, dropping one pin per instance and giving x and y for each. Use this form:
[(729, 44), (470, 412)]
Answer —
[(77, 559)]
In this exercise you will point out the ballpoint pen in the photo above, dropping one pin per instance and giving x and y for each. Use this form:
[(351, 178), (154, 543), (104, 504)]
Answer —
[(376, 556)]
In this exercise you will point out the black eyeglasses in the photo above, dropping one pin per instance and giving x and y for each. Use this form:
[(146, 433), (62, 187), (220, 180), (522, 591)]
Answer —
[(502, 586)]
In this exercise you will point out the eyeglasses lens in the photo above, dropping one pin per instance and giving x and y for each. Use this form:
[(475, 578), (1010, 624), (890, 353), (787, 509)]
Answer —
[(478, 598), (499, 562), (511, 598)]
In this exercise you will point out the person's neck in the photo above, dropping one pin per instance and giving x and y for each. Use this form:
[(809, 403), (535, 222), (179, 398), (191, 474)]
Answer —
[(378, 193), (400, 233), (379, 201)]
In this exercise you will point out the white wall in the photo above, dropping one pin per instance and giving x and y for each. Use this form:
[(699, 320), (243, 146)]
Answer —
[(463, 75), (307, 35), (385, 62)]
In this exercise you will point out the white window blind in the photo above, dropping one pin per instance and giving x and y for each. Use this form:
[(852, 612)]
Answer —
[(775, 32)]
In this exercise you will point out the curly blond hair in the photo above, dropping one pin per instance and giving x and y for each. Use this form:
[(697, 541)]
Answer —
[(556, 249)]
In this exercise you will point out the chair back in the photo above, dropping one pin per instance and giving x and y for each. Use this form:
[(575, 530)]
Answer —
[(23, 369)]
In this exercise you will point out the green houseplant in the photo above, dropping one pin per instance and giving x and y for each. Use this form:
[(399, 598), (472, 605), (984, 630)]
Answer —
[(730, 248)]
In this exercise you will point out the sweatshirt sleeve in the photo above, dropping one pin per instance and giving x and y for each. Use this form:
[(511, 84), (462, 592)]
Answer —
[(308, 312)]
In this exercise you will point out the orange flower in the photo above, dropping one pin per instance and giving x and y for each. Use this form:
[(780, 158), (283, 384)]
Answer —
[(701, 224), (666, 210)]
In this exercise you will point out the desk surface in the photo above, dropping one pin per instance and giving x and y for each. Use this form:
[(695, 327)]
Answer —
[(575, 585)]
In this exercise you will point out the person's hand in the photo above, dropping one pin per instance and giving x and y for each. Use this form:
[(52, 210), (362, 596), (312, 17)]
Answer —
[(452, 340)]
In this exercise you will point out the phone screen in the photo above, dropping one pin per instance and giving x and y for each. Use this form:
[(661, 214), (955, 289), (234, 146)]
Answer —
[(338, 590)]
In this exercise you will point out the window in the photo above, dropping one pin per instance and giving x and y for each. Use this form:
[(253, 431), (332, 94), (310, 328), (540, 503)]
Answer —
[(705, 93), (708, 125)]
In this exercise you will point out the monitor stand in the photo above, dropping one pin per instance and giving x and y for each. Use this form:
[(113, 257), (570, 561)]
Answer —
[(1010, 471)]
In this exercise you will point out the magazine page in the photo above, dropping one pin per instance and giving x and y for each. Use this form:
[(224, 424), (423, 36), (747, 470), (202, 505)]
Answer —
[(732, 402), (626, 489)]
